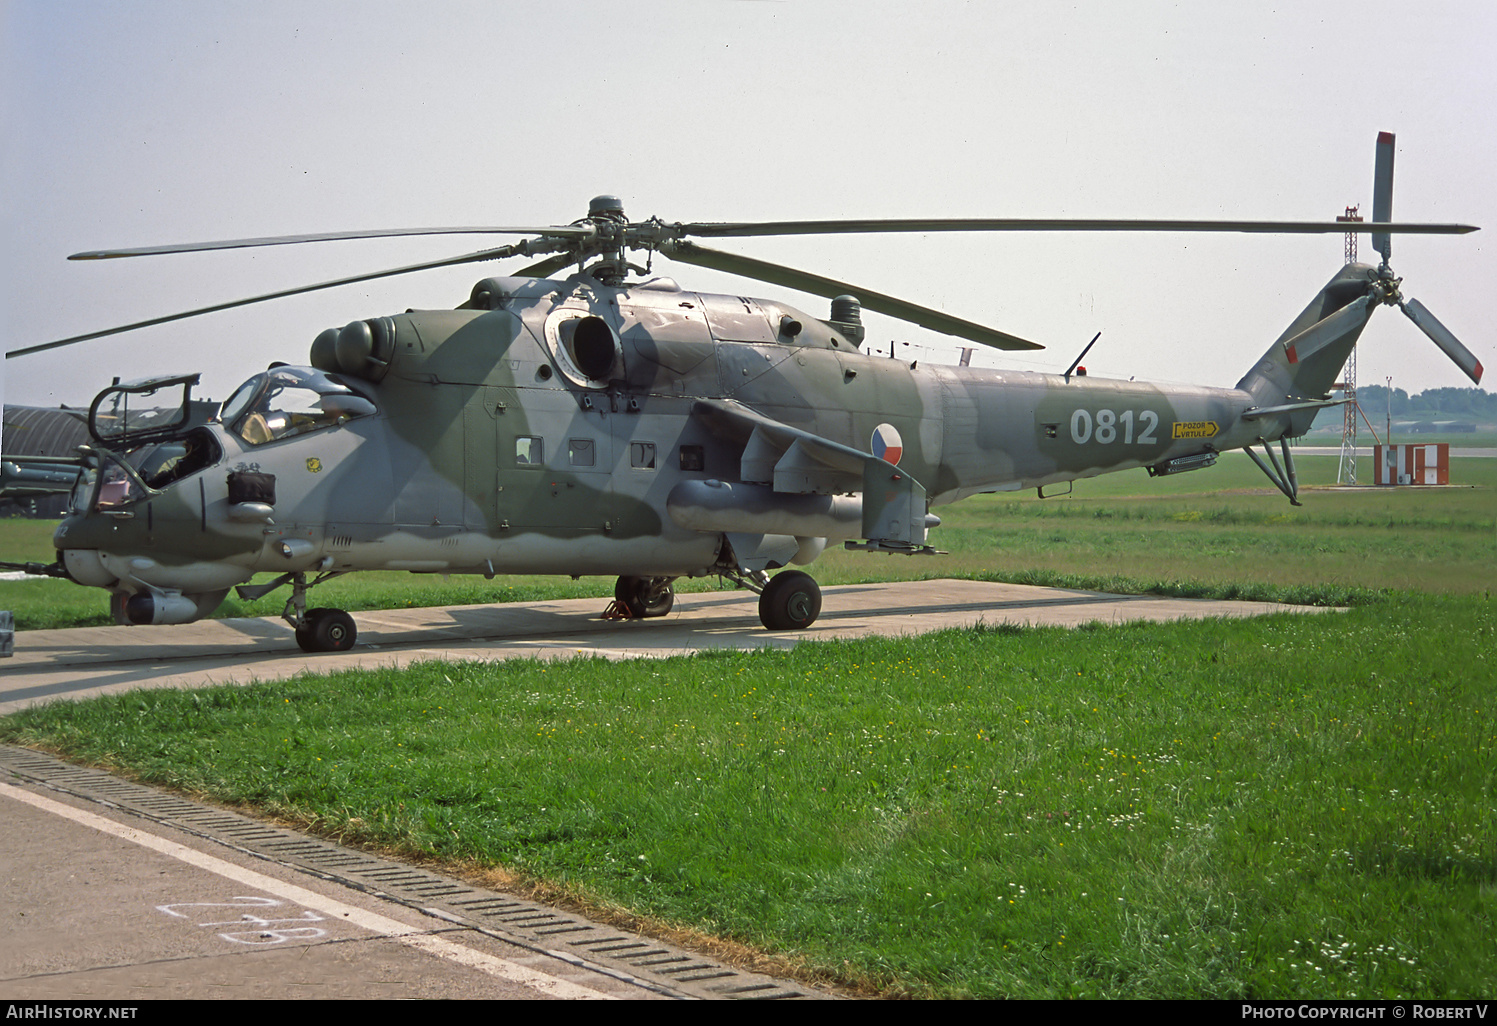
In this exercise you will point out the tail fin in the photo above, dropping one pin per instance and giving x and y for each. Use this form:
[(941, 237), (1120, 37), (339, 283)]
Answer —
[(1305, 362)]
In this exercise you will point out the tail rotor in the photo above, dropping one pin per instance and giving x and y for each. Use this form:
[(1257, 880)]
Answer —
[(1382, 213)]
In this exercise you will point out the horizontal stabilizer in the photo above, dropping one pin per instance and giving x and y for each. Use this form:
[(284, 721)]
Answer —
[(1311, 404)]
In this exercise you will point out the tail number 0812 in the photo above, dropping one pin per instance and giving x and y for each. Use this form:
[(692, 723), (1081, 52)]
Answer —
[(1112, 427)]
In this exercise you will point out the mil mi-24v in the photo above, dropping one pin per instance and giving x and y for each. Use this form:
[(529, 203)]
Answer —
[(595, 424)]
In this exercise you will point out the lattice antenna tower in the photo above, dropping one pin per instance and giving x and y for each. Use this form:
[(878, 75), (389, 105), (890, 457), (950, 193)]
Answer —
[(1346, 472)]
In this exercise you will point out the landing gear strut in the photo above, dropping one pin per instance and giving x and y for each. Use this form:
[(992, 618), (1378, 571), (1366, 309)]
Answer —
[(317, 630)]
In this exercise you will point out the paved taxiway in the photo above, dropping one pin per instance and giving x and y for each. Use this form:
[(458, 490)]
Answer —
[(79, 663)]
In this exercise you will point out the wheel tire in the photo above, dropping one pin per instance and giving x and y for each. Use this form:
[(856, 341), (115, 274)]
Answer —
[(790, 602), (327, 630), (306, 637), (640, 596)]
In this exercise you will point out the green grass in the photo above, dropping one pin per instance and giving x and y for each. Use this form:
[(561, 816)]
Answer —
[(1296, 806)]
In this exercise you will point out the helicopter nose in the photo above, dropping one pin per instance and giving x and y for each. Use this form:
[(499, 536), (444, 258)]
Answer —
[(86, 566)]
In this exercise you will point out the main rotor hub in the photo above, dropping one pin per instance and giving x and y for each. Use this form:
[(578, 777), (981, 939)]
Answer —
[(609, 208)]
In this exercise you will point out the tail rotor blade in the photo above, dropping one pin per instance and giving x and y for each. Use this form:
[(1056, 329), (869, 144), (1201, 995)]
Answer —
[(1441, 336), (1382, 193)]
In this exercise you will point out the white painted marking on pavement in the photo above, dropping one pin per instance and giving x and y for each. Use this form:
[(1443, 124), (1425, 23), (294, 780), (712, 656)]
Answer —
[(371, 921)]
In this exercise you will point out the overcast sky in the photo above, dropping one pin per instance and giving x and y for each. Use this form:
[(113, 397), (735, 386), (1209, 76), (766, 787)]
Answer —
[(153, 122)]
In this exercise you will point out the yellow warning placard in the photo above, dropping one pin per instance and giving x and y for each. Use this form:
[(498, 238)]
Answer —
[(1194, 429)]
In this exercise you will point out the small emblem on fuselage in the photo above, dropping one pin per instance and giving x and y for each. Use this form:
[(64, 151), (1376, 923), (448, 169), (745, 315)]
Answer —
[(886, 443), (314, 464)]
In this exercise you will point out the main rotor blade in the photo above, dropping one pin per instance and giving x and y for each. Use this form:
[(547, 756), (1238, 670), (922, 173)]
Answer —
[(1382, 193), (545, 268), (1019, 224), (468, 258), (1441, 336), (830, 288), (559, 232)]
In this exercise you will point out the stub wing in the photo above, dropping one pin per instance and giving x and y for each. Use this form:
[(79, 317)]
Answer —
[(793, 461)]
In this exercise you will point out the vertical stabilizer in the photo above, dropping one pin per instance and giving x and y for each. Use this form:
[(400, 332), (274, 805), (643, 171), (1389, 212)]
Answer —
[(1305, 362)]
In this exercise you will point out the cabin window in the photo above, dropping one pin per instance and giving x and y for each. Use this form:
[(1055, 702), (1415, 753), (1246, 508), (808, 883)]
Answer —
[(692, 458), (580, 452), (642, 455), (530, 450)]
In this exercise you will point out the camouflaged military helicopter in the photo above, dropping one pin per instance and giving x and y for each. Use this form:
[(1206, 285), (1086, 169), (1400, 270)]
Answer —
[(595, 424)]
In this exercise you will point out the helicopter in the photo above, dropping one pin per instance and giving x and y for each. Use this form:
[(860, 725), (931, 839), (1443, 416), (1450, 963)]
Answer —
[(611, 422)]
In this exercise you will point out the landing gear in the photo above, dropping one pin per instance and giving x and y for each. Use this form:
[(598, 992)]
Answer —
[(788, 601), (791, 601), (317, 630), (326, 630), (645, 597)]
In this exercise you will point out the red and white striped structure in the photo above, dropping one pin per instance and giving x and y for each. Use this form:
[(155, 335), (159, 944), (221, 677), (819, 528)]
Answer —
[(1427, 464)]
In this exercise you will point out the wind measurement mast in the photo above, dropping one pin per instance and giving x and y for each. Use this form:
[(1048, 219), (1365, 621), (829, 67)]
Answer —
[(1346, 472)]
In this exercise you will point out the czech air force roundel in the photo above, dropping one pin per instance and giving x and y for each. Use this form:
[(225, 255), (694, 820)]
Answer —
[(887, 445)]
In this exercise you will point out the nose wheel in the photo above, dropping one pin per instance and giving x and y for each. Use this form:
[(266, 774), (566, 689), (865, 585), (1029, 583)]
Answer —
[(317, 630), (326, 630)]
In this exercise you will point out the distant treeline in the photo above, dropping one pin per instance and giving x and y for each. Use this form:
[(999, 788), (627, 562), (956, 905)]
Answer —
[(1458, 409), (1432, 404)]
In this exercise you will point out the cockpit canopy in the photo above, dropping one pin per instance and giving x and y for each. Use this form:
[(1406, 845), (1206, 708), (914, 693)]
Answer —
[(286, 401), (129, 415)]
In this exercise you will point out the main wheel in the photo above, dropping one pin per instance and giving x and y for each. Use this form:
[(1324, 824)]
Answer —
[(326, 630), (645, 596), (790, 602)]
